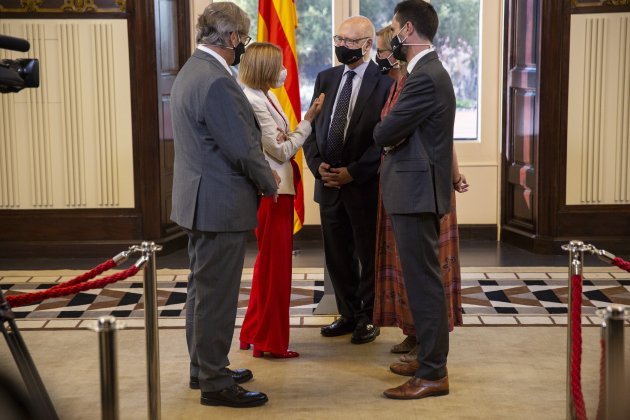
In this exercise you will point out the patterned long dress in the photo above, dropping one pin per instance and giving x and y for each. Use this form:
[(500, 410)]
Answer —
[(391, 307)]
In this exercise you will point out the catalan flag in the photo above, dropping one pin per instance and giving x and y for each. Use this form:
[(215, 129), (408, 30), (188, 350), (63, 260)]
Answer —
[(277, 22)]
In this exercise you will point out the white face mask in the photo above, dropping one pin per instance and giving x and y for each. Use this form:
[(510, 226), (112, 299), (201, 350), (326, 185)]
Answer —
[(281, 78)]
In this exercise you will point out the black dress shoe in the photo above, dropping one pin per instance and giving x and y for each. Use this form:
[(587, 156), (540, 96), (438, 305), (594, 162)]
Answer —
[(340, 327), (234, 396), (365, 333), (240, 376)]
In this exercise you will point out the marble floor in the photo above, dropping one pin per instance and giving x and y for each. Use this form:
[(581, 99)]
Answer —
[(497, 368)]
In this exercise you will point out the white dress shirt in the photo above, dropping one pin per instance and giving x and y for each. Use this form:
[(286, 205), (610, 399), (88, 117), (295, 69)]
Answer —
[(356, 85), (215, 55)]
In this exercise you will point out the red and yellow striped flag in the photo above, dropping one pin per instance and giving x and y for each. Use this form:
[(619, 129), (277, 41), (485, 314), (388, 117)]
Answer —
[(277, 22)]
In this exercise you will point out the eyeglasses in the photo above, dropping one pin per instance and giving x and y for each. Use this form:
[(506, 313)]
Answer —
[(383, 53), (245, 39), (350, 43)]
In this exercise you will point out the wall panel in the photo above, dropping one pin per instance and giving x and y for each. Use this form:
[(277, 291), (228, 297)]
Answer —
[(68, 143), (598, 137)]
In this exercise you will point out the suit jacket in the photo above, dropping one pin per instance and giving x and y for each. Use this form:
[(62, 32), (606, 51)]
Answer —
[(360, 155), (416, 174), (271, 118), (219, 164)]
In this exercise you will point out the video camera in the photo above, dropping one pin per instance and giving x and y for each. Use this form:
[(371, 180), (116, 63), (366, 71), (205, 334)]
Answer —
[(15, 75)]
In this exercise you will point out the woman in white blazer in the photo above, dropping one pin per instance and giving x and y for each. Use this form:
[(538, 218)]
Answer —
[(266, 323)]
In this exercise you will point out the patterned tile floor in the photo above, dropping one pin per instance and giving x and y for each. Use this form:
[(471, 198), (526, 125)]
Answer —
[(497, 296)]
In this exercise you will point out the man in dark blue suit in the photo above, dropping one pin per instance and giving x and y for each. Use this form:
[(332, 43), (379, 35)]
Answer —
[(344, 160)]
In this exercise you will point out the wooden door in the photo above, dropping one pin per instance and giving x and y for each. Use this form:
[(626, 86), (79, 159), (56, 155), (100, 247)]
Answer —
[(172, 51), (521, 115)]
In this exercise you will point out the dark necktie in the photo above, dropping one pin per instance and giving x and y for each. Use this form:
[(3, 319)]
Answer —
[(334, 144)]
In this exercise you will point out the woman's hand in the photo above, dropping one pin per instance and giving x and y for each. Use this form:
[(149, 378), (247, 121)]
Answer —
[(461, 185), (315, 109), (282, 136)]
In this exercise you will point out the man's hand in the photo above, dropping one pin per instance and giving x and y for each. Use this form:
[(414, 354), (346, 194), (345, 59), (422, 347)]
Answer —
[(337, 177), (323, 169)]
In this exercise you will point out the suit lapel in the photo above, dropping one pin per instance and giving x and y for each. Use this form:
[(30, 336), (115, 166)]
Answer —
[(367, 87)]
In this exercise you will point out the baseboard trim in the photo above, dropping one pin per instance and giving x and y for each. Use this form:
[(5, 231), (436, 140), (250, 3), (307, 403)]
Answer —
[(478, 232), (69, 249)]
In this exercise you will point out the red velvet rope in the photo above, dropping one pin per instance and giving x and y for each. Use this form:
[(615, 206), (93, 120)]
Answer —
[(27, 298), (624, 265), (576, 347), (89, 275)]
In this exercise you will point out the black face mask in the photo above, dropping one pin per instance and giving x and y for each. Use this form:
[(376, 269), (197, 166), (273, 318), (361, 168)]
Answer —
[(346, 55), (384, 65), (397, 47), (238, 51)]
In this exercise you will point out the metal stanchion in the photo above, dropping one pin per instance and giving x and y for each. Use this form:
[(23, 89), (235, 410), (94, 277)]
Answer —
[(106, 327), (576, 258), (42, 405), (151, 328), (614, 317)]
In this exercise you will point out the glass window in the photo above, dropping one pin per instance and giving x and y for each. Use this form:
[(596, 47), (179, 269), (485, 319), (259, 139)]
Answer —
[(251, 8), (314, 44), (457, 43)]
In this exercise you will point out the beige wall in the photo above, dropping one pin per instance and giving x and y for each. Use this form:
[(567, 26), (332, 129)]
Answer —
[(67, 144), (479, 160), (598, 129)]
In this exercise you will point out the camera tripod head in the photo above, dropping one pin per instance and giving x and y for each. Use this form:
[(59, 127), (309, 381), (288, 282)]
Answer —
[(16, 75)]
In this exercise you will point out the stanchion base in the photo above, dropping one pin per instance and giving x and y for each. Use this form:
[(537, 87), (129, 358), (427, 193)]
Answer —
[(327, 306)]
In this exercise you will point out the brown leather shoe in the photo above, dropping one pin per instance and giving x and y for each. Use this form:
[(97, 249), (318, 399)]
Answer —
[(405, 369), (408, 344), (416, 388)]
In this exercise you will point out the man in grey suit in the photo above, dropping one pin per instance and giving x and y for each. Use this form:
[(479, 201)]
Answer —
[(219, 171), (416, 189)]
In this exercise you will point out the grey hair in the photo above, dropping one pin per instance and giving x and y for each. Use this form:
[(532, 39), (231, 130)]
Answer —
[(218, 20)]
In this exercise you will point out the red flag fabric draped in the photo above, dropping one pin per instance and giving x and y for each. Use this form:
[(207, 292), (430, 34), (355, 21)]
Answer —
[(277, 22)]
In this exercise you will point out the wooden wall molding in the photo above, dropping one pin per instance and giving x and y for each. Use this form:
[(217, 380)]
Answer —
[(554, 221), (599, 6), (63, 6)]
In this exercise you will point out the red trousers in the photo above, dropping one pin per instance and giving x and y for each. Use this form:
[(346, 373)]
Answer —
[(266, 323)]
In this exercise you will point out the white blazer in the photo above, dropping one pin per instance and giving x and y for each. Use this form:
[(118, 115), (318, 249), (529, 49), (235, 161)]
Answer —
[(271, 119)]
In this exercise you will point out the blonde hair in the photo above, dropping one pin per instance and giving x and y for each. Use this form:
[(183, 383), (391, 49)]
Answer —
[(388, 34), (260, 65)]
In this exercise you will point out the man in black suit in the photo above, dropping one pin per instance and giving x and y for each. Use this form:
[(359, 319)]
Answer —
[(344, 160), (416, 189)]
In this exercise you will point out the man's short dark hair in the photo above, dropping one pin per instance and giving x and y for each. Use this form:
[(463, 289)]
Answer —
[(421, 14)]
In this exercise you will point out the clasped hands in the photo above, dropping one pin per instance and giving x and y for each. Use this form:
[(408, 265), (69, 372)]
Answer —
[(334, 177)]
